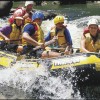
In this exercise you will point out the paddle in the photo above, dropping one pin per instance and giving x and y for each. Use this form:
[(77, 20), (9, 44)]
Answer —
[(16, 40), (60, 48), (12, 40), (46, 44), (54, 48)]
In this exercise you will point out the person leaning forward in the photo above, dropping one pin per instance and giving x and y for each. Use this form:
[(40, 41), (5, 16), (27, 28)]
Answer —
[(33, 36), (10, 35), (90, 41), (61, 35)]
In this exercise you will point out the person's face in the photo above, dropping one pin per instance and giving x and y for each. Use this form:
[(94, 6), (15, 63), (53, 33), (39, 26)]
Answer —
[(29, 7), (19, 22), (38, 21), (93, 29), (60, 25)]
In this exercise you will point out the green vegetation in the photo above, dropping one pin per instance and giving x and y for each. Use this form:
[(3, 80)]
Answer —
[(49, 5), (18, 4)]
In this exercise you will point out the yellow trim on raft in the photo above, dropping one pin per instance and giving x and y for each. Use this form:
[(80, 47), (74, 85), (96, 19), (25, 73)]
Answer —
[(6, 62), (9, 55), (88, 60), (6, 59)]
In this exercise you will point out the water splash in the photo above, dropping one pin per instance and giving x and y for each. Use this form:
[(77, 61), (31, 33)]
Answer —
[(38, 84)]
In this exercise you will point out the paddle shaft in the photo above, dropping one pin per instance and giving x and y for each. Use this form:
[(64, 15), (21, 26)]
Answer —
[(12, 40), (16, 40), (46, 44)]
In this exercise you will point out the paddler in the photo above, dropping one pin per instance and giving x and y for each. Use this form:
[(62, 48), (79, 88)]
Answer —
[(10, 35), (61, 34), (90, 41), (33, 36)]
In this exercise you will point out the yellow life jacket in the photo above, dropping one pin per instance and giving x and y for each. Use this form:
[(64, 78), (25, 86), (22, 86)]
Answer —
[(38, 35), (61, 36), (15, 33), (27, 20), (90, 46)]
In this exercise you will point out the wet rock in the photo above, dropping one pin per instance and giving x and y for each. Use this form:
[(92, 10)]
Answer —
[(5, 7), (43, 3), (48, 15)]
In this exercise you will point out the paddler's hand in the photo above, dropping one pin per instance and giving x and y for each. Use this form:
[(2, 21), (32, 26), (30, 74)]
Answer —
[(42, 45), (55, 38), (7, 40), (68, 51)]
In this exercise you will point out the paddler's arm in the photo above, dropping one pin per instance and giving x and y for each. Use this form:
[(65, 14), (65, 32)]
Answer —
[(5, 37), (68, 38), (27, 32), (51, 41), (48, 39), (83, 49), (5, 30), (31, 40)]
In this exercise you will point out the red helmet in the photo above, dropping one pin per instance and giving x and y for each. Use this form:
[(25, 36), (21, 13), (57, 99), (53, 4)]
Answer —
[(18, 14)]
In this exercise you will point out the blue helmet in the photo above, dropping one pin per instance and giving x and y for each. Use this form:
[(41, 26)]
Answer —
[(37, 14)]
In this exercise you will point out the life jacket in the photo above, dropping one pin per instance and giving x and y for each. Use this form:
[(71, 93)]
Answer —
[(90, 45), (15, 33), (11, 19), (86, 30), (38, 35), (61, 36)]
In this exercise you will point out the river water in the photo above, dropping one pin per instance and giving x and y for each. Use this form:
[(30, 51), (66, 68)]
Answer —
[(39, 83)]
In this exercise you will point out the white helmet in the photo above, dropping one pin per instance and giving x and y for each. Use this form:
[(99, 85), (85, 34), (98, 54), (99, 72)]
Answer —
[(28, 2), (92, 21)]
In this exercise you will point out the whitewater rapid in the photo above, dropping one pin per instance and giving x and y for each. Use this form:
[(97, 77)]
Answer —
[(40, 83)]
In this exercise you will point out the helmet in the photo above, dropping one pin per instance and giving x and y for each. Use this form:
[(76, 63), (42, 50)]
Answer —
[(92, 21), (18, 14), (37, 14), (58, 19), (28, 2)]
